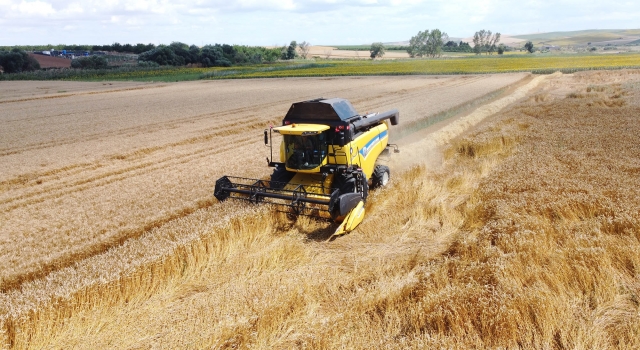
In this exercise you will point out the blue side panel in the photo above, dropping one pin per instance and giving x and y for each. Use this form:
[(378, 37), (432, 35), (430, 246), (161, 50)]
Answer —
[(364, 152)]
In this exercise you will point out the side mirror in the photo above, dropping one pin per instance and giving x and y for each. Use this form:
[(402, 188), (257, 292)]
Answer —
[(266, 137)]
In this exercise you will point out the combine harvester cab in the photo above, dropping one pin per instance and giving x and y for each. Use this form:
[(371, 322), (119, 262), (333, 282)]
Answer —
[(328, 156)]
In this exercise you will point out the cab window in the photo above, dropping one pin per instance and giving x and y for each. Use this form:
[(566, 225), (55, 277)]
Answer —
[(305, 151)]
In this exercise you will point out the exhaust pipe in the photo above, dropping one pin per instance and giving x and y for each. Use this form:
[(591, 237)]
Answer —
[(369, 120)]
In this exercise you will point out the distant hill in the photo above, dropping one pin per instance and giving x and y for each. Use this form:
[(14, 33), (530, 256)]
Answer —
[(406, 42), (596, 37), (584, 37)]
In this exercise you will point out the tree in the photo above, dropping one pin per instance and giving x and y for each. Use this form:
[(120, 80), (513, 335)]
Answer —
[(16, 61), (289, 52), (529, 46), (213, 56), (229, 51), (304, 49), (92, 62), (140, 48), (501, 49), (485, 41), (183, 50), (493, 41), (435, 42), (416, 47), (427, 43), (162, 55), (376, 50), (194, 54)]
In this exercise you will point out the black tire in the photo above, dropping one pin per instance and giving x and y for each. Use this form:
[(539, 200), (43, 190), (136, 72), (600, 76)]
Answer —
[(280, 177), (380, 176), (348, 183)]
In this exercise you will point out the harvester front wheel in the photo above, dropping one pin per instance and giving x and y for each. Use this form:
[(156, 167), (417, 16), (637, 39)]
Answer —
[(380, 177)]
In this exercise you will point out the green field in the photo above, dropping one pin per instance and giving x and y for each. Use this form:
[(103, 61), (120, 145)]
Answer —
[(537, 63)]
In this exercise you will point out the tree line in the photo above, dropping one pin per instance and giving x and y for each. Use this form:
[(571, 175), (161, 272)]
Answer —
[(16, 61), (431, 43), (428, 43), (219, 55), (115, 47)]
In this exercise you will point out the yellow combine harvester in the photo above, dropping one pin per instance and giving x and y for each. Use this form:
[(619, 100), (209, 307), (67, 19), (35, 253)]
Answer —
[(329, 156)]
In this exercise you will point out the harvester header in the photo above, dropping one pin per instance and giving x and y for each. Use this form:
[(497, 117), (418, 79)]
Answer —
[(329, 157)]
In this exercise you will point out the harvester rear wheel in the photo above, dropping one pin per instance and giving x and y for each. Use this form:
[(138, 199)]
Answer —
[(380, 177)]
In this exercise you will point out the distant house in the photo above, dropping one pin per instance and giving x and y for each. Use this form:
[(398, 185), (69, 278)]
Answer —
[(550, 47)]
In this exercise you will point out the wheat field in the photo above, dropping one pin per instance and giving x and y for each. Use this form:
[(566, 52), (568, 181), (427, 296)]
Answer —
[(512, 225), (95, 175)]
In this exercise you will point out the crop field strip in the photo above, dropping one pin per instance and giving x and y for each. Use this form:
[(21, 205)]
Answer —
[(437, 277), (540, 64), (90, 181), (23, 194), (189, 293), (149, 127), (55, 194), (172, 123), (254, 281), (476, 65), (63, 95)]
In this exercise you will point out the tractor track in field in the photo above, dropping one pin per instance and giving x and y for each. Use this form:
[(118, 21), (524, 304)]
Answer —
[(65, 183), (101, 179), (413, 93), (135, 154), (148, 128), (10, 283), (39, 98)]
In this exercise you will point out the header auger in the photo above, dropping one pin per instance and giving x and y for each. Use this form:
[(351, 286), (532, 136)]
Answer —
[(329, 157)]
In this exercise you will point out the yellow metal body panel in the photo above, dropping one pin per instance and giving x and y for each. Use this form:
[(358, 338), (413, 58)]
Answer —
[(363, 151), (301, 129), (311, 180), (353, 219)]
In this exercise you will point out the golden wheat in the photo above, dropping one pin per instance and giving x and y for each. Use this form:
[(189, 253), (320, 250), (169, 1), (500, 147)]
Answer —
[(95, 206), (527, 236)]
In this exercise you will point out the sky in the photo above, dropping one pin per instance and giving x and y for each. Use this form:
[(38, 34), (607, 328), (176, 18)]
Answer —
[(271, 22)]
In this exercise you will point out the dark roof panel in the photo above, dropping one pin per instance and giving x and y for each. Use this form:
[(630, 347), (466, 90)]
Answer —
[(333, 109)]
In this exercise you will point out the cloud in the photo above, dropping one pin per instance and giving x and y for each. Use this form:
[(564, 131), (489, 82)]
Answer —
[(33, 9), (266, 22)]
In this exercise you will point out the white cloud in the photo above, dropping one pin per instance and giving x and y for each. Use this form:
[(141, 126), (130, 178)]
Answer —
[(268, 22), (34, 8)]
